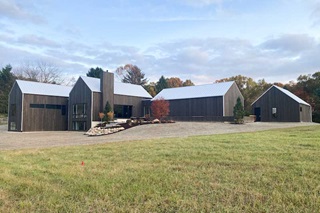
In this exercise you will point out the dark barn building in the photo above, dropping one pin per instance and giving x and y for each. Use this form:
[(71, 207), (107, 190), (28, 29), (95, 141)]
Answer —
[(89, 96), (211, 102), (37, 106), (280, 105)]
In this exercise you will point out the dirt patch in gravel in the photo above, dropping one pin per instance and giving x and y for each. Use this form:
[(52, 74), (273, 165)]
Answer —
[(26, 140)]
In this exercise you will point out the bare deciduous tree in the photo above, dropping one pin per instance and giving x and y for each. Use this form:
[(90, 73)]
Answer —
[(39, 71)]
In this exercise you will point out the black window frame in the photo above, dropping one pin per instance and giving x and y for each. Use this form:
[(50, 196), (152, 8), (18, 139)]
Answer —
[(37, 106), (75, 110)]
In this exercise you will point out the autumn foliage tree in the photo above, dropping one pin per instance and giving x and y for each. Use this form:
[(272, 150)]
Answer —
[(160, 108), (249, 88), (174, 82)]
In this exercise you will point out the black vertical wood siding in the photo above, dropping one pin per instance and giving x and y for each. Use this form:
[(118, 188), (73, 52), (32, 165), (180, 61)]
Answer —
[(135, 102), (288, 110), (80, 94), (44, 119), (196, 108), (219, 108), (15, 97)]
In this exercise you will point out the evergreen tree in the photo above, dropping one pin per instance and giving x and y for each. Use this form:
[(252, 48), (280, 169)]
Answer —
[(95, 72), (107, 108), (6, 82), (238, 112), (108, 113), (161, 84)]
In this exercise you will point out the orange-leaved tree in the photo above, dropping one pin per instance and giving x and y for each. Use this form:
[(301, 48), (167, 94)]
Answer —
[(160, 108)]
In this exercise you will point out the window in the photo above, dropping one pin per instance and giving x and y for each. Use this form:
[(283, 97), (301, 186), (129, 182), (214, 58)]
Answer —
[(79, 125), (274, 112), (79, 111), (41, 106), (53, 106), (300, 109), (122, 111), (13, 109), (13, 126)]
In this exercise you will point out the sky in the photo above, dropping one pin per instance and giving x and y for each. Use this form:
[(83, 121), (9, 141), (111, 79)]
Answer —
[(201, 40)]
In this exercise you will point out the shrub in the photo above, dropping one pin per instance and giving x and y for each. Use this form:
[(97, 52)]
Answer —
[(110, 116), (101, 116), (147, 117), (160, 108), (316, 116), (238, 112), (108, 112)]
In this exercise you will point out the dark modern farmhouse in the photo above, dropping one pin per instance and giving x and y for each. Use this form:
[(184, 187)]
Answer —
[(37, 106), (210, 102), (279, 105), (89, 96)]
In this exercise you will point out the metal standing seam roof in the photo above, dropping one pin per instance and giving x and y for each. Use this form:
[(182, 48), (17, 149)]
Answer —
[(287, 92), (200, 91), (119, 88), (36, 88)]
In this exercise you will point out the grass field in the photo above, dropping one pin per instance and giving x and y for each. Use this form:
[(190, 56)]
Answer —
[(270, 171)]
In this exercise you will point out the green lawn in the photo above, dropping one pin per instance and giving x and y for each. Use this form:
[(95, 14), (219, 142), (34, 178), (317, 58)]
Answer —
[(270, 171)]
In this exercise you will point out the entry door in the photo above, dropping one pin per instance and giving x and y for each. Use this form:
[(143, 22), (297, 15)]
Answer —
[(257, 112)]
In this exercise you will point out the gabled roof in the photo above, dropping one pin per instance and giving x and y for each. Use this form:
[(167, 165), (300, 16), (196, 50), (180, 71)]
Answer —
[(36, 88), (201, 91), (92, 83), (119, 88), (287, 92)]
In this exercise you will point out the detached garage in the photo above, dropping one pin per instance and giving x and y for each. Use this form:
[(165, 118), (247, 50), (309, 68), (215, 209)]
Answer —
[(279, 105), (210, 102)]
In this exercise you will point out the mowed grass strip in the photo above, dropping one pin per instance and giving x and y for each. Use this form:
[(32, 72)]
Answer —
[(270, 171)]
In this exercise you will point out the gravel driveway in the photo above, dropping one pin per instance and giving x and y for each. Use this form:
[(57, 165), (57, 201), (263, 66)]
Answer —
[(25, 140)]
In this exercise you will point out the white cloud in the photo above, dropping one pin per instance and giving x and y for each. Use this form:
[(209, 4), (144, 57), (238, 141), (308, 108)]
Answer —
[(12, 10), (294, 43), (219, 58), (200, 3), (37, 41), (202, 60)]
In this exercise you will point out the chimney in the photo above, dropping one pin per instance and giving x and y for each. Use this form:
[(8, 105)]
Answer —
[(107, 89)]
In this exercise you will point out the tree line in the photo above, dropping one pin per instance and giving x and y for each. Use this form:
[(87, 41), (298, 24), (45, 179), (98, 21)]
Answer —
[(132, 74), (307, 87)]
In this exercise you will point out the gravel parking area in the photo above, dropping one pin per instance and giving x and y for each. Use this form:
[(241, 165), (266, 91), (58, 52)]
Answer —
[(26, 140)]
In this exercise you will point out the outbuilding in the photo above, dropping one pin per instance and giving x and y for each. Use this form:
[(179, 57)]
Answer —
[(279, 105), (210, 102)]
